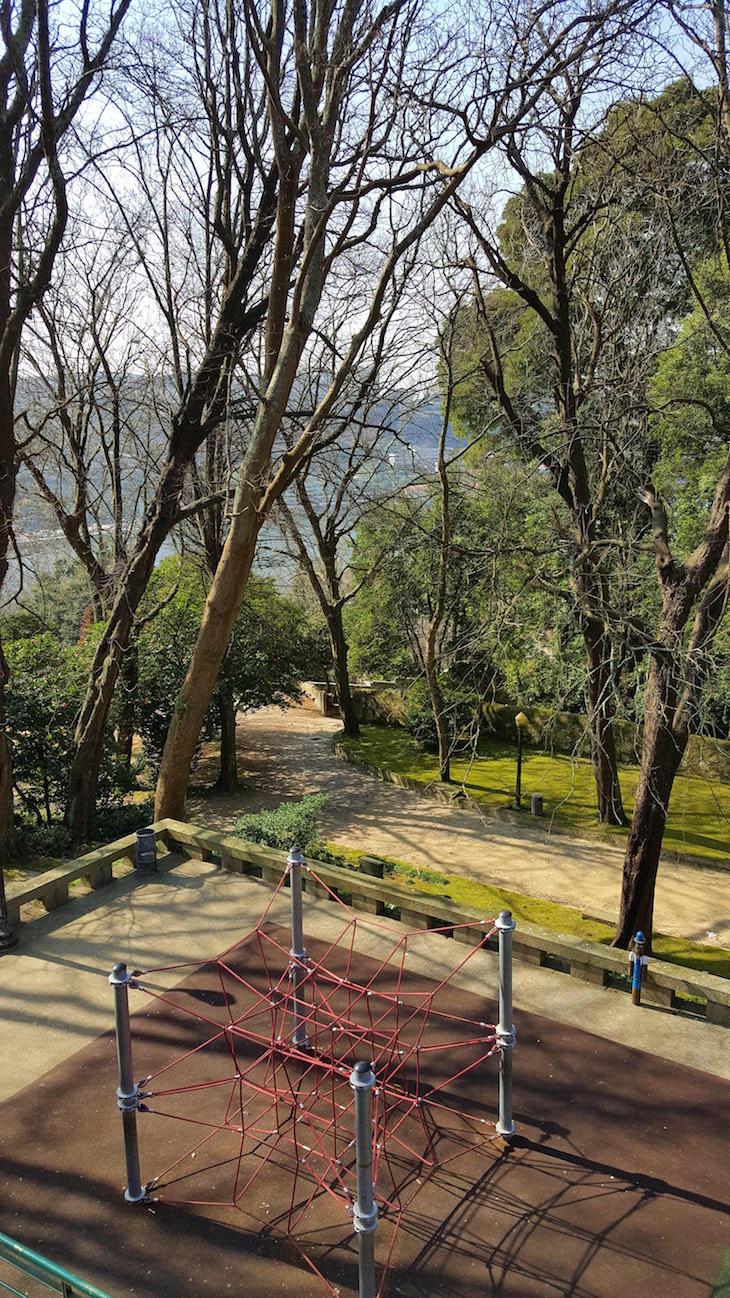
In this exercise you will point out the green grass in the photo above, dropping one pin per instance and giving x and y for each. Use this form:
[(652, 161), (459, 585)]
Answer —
[(699, 812), (567, 920)]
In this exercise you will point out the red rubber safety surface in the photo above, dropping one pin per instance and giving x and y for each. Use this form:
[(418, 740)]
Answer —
[(617, 1183)]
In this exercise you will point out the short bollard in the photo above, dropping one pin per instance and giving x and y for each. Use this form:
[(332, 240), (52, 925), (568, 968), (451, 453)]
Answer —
[(365, 1211), (505, 1028), (637, 965), (298, 971), (127, 1094)]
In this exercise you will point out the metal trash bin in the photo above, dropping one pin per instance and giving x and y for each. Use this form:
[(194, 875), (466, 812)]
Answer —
[(536, 804), (145, 857)]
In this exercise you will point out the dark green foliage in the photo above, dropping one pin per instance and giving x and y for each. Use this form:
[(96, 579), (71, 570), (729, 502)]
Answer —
[(504, 634), (272, 650), (114, 822), (419, 718), (43, 840), (285, 825), (319, 851), (47, 685)]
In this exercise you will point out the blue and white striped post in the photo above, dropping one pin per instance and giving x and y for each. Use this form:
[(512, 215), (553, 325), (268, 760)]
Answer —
[(638, 962)]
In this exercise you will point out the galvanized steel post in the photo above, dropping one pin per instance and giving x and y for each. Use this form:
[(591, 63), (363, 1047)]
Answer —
[(127, 1094), (297, 967), (505, 1028), (365, 1212)]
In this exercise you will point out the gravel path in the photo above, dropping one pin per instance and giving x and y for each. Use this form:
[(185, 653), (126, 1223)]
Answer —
[(286, 754)]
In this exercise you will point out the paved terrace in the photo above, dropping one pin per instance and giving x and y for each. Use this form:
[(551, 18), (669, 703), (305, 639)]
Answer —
[(54, 995)]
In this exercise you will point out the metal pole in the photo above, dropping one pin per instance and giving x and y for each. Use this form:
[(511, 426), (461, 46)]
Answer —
[(297, 968), (638, 965), (8, 935), (365, 1212), (518, 790), (127, 1098), (505, 1028)]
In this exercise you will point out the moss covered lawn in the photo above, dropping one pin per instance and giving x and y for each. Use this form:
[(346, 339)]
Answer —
[(699, 812), (533, 910)]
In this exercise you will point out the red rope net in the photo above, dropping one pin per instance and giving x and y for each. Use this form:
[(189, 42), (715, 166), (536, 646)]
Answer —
[(263, 1114)]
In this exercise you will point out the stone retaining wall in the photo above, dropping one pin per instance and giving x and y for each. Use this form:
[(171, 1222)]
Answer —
[(666, 983)]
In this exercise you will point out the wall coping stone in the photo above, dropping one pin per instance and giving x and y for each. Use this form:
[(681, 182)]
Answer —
[(436, 911)]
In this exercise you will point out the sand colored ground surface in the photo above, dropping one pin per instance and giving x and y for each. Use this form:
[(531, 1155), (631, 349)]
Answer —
[(287, 754)]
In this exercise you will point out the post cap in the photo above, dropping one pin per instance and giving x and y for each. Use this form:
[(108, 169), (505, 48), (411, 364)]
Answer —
[(295, 856), (362, 1077), (640, 937), (521, 720), (505, 920)]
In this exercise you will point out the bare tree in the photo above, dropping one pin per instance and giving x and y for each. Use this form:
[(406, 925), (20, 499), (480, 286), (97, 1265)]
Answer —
[(693, 590), (332, 492), (201, 215), (582, 303), (88, 437), (346, 141), (44, 80)]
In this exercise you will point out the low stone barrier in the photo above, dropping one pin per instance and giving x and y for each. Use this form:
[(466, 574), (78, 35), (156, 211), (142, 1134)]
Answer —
[(666, 984), (51, 887)]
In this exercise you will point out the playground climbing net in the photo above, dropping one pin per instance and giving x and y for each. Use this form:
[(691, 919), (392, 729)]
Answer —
[(259, 1107)]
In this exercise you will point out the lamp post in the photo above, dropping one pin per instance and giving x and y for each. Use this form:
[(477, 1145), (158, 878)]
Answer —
[(520, 721)]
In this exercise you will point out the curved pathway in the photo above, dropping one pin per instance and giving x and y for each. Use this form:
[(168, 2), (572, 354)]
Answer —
[(285, 754)]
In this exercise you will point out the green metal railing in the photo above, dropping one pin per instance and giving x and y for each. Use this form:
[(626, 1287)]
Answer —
[(53, 1277)]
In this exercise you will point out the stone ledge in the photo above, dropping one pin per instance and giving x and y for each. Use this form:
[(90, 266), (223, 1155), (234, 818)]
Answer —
[(51, 887), (534, 945)]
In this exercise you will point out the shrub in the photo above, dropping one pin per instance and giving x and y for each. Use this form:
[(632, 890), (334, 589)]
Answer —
[(116, 822), (319, 851), (285, 825), (421, 723), (45, 840)]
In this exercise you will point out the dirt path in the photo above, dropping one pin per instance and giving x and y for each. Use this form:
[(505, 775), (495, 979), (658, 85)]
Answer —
[(286, 754)]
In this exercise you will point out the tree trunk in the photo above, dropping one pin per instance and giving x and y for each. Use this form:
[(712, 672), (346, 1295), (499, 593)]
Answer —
[(221, 610), (7, 832), (660, 760), (227, 781), (342, 675), (601, 716), (91, 725), (442, 729), (127, 712), (8, 470), (437, 698)]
